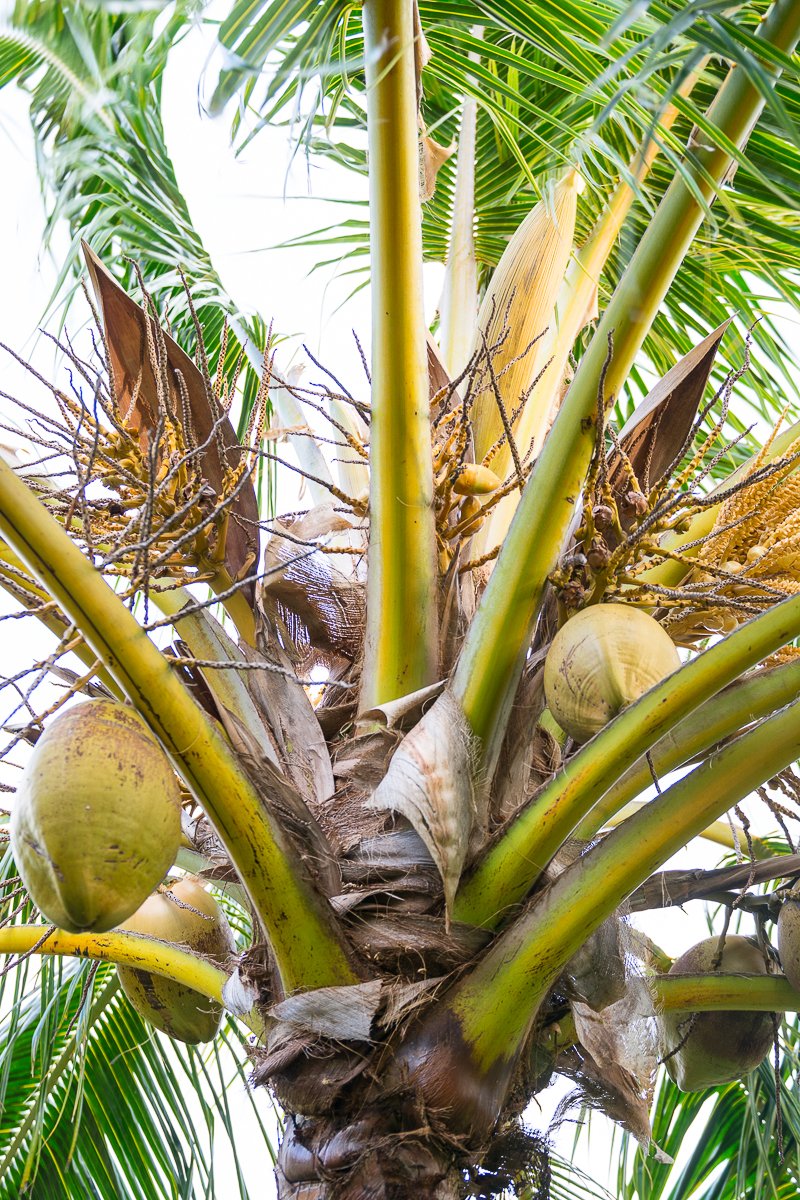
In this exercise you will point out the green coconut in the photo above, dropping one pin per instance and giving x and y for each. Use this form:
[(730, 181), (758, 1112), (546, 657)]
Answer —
[(720, 1046), (789, 940), (97, 820), (601, 660), (185, 914)]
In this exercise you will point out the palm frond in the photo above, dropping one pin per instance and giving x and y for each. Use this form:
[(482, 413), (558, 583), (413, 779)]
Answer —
[(92, 1097), (547, 97)]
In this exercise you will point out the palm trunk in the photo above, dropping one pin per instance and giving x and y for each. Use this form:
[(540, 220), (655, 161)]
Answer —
[(363, 1158)]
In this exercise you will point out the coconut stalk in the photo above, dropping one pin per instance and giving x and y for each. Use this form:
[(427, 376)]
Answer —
[(509, 869), (717, 719), (723, 993), (401, 639), (121, 949), (297, 919), (496, 644), (488, 1015)]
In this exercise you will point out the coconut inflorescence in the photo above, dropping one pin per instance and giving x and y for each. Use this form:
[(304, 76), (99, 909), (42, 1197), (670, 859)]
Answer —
[(601, 660), (184, 914), (97, 820), (704, 1050)]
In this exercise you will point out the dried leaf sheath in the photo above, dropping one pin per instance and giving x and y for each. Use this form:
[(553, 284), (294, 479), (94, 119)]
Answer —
[(141, 395)]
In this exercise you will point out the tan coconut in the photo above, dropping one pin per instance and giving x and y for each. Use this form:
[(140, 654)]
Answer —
[(184, 914), (601, 660), (96, 822), (720, 1046)]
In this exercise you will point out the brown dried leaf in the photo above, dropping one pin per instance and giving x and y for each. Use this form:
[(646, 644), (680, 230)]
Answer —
[(660, 425), (438, 376), (321, 604), (430, 781), (342, 1013), (286, 710), (281, 797), (406, 710), (596, 974), (618, 1058), (125, 329), (434, 156)]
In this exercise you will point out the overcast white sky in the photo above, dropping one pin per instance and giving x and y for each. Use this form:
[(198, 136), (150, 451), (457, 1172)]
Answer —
[(239, 207)]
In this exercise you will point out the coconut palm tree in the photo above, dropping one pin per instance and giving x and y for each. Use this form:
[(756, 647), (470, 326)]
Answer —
[(430, 923)]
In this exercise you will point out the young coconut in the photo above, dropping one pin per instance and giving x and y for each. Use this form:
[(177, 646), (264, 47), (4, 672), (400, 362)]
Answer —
[(704, 1050), (601, 660), (184, 913), (97, 821), (789, 938)]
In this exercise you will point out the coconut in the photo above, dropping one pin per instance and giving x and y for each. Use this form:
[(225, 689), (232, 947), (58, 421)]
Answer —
[(720, 1046), (96, 824), (601, 660), (185, 914), (789, 939)]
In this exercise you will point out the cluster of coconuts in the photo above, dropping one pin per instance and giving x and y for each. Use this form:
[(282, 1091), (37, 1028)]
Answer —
[(95, 828), (603, 659)]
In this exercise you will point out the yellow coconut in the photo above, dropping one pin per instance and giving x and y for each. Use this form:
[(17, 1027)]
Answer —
[(187, 915), (96, 822), (704, 1050), (472, 479), (601, 660)]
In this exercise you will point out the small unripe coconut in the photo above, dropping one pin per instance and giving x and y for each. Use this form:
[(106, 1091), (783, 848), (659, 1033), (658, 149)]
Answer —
[(469, 508), (96, 824), (175, 1009), (472, 479), (601, 660), (789, 939), (720, 1046)]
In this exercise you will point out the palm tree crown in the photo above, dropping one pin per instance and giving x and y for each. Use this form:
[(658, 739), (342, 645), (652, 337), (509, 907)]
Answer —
[(430, 860)]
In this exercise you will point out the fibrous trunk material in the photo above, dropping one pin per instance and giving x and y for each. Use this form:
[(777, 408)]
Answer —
[(364, 1159)]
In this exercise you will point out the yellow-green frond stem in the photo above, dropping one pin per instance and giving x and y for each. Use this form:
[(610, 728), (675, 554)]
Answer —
[(746, 701), (721, 993), (122, 949), (51, 620), (298, 921), (401, 643), (508, 871), (720, 833), (495, 647), (207, 640)]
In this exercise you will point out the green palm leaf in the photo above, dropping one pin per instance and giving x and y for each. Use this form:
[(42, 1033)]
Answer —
[(546, 99), (101, 1098)]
